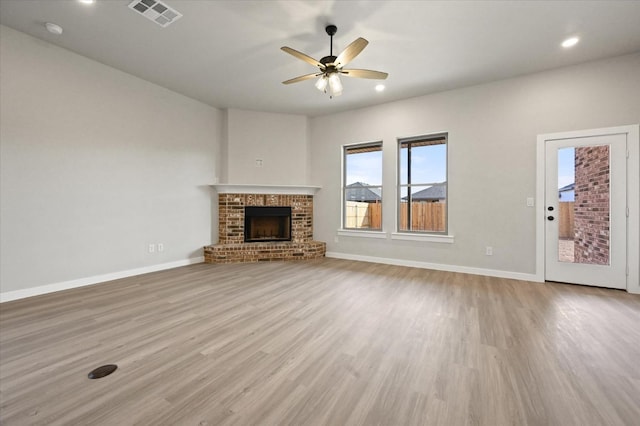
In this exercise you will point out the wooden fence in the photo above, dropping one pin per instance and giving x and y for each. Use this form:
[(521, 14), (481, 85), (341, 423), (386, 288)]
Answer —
[(424, 216), (565, 220), (431, 217), (363, 215)]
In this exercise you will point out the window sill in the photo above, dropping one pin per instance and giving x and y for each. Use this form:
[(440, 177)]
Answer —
[(363, 234), (432, 238)]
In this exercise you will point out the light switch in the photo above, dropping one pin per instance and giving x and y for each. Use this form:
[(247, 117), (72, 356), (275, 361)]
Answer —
[(530, 202)]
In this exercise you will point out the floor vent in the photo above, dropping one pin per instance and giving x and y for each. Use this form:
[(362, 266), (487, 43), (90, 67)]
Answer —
[(102, 371), (156, 11)]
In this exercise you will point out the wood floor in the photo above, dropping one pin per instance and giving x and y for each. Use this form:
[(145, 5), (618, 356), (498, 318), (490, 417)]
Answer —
[(321, 342)]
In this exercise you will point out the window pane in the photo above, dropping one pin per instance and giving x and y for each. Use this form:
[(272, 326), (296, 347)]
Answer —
[(363, 194), (584, 208), (363, 187), (427, 211), (403, 213), (566, 203), (364, 168), (362, 215), (404, 169), (422, 164), (429, 163), (403, 192)]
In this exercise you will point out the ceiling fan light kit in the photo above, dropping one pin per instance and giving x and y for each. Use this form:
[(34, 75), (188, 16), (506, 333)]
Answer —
[(321, 84), (330, 67), (335, 85)]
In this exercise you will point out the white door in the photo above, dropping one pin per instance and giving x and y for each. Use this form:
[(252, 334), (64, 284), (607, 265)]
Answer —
[(585, 210)]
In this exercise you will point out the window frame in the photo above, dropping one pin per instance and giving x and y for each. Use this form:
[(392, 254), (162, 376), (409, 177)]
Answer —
[(410, 140), (370, 231)]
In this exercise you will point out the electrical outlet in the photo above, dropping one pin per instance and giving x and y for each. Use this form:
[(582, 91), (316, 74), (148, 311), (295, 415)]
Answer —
[(152, 248), (488, 251), (160, 247), (335, 239), (258, 162)]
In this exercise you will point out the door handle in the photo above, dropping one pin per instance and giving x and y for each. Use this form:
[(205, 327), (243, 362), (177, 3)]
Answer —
[(550, 218), (550, 208)]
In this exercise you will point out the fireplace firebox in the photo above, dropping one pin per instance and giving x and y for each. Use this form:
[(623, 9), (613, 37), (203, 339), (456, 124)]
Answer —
[(267, 223)]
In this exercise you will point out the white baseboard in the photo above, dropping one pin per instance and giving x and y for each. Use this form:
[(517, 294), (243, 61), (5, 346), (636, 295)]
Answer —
[(437, 266), (65, 285)]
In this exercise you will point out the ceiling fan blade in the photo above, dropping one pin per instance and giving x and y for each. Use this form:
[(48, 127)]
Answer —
[(301, 78), (350, 52), (376, 75), (302, 56)]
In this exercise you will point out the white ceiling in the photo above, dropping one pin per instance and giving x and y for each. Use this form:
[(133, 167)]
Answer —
[(227, 53)]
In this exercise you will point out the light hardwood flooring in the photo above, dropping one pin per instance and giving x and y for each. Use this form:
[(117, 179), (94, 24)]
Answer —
[(322, 342)]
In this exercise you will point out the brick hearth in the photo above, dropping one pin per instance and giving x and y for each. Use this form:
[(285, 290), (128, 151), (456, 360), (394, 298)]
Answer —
[(232, 248)]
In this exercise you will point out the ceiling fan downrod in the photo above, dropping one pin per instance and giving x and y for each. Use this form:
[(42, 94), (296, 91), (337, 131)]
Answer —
[(331, 30)]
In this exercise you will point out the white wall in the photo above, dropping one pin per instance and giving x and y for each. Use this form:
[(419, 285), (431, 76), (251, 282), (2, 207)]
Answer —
[(280, 140), (95, 165), (492, 151)]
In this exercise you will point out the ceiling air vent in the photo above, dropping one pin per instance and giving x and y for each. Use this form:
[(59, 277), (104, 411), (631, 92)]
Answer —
[(156, 11)]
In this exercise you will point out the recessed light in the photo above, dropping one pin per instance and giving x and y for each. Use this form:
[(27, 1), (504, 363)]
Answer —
[(380, 88), (53, 28), (570, 42), (87, 1)]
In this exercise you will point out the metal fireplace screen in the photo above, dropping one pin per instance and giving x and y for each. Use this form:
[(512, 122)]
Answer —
[(263, 224)]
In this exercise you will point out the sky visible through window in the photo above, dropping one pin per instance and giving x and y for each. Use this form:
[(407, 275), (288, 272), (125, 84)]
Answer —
[(365, 168), (566, 166), (428, 165)]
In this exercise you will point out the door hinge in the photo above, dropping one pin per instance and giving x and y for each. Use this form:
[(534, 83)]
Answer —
[(627, 211), (627, 153), (627, 270)]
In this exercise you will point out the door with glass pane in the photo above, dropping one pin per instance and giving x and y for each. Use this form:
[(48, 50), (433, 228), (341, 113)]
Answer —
[(585, 210)]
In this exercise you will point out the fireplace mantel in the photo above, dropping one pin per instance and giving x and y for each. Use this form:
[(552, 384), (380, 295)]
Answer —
[(230, 188)]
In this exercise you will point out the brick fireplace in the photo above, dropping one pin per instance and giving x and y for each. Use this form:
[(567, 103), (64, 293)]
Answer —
[(235, 200)]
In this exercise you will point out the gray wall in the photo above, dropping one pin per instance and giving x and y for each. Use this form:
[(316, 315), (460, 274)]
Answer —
[(95, 165), (492, 152), (279, 140)]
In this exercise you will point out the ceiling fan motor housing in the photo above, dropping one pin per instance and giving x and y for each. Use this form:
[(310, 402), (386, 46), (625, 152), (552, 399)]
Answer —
[(328, 60)]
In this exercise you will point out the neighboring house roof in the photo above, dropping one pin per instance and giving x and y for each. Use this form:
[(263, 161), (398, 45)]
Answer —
[(359, 191), (434, 192), (569, 187), (567, 193)]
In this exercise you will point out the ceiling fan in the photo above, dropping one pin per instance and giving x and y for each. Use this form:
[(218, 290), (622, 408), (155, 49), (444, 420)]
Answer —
[(330, 67)]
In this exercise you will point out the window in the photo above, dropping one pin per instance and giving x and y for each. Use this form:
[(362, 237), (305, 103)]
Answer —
[(423, 184), (362, 187)]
